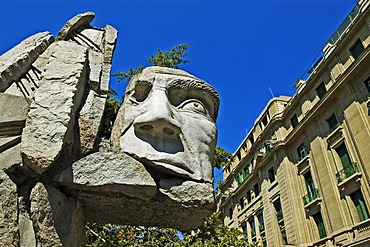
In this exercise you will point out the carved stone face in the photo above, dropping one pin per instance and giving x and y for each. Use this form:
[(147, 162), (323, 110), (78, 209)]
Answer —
[(167, 121)]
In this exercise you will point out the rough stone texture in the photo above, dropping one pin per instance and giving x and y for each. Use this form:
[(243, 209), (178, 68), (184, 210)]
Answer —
[(100, 58), (18, 60), (90, 120), (167, 121), (12, 119), (78, 22), (26, 85), (187, 192), (109, 43), (57, 219), (8, 212), (171, 208), (11, 156), (159, 173), (101, 173), (51, 118), (26, 233)]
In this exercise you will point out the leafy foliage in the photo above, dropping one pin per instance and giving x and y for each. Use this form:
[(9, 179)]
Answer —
[(222, 157), (211, 234), (169, 59)]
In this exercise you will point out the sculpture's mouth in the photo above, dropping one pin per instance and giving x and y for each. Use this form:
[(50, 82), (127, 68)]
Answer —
[(171, 163)]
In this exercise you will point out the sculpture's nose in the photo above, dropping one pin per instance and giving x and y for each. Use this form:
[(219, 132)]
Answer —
[(158, 120)]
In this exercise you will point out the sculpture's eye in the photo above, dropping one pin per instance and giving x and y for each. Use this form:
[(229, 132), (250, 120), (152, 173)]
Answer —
[(193, 105), (142, 89)]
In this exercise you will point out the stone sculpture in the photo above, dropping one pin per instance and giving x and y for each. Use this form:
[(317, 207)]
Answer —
[(55, 175)]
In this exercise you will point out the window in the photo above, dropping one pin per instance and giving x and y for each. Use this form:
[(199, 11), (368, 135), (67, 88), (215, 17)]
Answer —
[(320, 225), (333, 124), (271, 174), (245, 230), (279, 212), (261, 222), (268, 147), (294, 120), (321, 90), (344, 156), (359, 202), (240, 178), (230, 213), (357, 49), (241, 202), (256, 189), (312, 192), (332, 121), (253, 227), (301, 151), (264, 120), (251, 139), (248, 196), (239, 155), (246, 170), (367, 84)]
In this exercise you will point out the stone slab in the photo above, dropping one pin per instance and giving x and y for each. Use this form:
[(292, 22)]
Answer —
[(17, 61), (162, 211), (90, 121), (77, 22), (8, 212), (58, 220), (109, 173), (51, 119)]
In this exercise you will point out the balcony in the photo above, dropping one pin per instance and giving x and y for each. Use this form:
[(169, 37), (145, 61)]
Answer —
[(327, 134), (310, 197), (347, 172)]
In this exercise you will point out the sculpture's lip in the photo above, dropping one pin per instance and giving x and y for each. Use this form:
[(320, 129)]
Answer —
[(171, 162)]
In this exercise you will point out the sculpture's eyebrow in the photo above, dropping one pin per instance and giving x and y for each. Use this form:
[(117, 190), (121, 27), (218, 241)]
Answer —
[(190, 83), (144, 82)]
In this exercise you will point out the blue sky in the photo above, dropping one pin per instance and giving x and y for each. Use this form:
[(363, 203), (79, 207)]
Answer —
[(241, 47)]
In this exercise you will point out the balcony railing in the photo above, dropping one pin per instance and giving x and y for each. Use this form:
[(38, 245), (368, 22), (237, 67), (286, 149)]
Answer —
[(332, 129), (345, 24), (279, 215), (311, 196), (347, 171), (302, 156)]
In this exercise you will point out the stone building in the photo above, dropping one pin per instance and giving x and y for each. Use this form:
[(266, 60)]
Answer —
[(301, 176)]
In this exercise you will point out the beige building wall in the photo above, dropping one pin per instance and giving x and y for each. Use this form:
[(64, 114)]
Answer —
[(301, 176)]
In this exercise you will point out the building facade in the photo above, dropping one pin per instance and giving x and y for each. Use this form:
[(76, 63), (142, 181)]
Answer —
[(301, 176)]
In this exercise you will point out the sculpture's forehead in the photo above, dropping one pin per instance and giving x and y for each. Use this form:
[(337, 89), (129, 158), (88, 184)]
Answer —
[(167, 78)]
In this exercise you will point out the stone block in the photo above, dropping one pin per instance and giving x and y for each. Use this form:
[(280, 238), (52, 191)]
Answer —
[(93, 36), (58, 220), (8, 212), (51, 119), (109, 43), (110, 173), (77, 22), (17, 61), (180, 205), (11, 156), (90, 121)]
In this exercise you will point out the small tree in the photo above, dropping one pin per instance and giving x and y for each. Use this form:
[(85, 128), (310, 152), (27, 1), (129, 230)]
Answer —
[(169, 59)]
